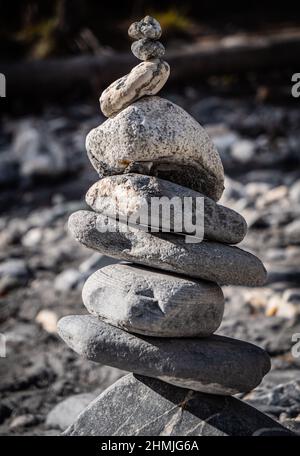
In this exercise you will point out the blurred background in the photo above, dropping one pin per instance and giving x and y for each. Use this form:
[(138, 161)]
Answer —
[(231, 68)]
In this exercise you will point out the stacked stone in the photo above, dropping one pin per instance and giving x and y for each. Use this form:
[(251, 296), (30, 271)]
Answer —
[(156, 315)]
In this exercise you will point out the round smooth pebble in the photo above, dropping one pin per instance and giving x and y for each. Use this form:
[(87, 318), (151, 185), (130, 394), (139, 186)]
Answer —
[(146, 49), (153, 303)]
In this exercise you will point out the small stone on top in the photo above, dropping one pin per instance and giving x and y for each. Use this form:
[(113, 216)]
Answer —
[(146, 28)]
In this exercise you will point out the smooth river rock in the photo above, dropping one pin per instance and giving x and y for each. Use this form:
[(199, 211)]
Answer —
[(147, 78), (154, 408), (146, 49), (156, 137), (146, 28), (126, 195), (206, 260), (152, 303), (66, 412), (215, 364)]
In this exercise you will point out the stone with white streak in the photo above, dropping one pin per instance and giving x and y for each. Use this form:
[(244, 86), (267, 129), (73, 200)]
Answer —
[(147, 78), (154, 408), (154, 136), (152, 303), (125, 196)]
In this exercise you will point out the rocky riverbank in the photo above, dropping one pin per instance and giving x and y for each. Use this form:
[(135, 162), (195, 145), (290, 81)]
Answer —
[(43, 174)]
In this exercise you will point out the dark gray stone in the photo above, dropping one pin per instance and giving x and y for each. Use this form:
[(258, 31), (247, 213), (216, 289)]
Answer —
[(215, 365), (127, 193), (280, 398), (146, 49), (205, 260), (153, 408), (153, 303), (9, 173)]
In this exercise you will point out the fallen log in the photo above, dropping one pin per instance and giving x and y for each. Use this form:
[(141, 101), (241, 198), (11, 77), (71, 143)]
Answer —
[(233, 54)]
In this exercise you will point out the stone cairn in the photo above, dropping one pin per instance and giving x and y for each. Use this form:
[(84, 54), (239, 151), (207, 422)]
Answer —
[(155, 315)]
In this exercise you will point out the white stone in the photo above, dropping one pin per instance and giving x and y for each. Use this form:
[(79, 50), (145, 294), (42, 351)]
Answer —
[(147, 78), (156, 137), (48, 320), (243, 151)]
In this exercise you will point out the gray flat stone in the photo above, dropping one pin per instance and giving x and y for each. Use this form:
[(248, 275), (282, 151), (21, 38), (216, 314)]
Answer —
[(127, 193), (138, 405), (156, 137), (215, 365), (147, 78), (152, 303), (206, 260), (146, 49)]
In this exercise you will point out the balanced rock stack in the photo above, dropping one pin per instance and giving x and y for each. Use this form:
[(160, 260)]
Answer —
[(155, 315)]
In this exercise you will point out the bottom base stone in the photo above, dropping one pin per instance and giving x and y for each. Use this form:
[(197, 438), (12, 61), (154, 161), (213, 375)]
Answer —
[(137, 405)]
